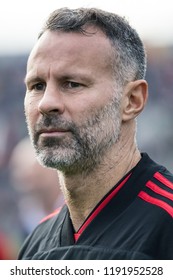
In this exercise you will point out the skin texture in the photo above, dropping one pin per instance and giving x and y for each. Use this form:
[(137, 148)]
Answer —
[(80, 122)]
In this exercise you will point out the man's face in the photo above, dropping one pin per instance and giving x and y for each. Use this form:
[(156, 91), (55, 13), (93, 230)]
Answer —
[(72, 107)]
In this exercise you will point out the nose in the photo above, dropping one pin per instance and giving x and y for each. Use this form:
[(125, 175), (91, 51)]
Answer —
[(51, 101)]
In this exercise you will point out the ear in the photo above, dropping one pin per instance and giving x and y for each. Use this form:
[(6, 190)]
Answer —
[(134, 99)]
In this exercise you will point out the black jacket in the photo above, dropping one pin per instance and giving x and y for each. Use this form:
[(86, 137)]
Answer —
[(133, 221)]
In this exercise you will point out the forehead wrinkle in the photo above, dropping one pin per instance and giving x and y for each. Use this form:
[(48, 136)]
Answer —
[(36, 70), (53, 50)]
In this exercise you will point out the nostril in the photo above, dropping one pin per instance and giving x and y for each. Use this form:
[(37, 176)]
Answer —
[(55, 110), (45, 112), (48, 105)]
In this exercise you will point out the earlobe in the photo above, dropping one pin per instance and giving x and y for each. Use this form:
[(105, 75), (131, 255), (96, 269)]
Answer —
[(134, 99)]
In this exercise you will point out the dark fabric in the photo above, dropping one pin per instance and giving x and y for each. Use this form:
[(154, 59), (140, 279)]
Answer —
[(129, 227)]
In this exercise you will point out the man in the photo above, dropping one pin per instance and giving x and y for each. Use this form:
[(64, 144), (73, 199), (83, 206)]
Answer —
[(85, 88)]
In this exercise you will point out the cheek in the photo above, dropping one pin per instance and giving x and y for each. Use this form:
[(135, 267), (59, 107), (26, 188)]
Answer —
[(31, 111), (81, 108)]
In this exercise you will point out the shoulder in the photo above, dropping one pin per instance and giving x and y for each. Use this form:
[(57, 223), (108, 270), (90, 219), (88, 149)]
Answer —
[(43, 235), (51, 215), (158, 191)]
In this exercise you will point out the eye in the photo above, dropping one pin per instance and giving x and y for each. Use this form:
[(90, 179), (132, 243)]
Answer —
[(39, 86), (72, 85)]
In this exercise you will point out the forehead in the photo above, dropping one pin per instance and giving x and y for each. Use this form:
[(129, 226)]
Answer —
[(72, 49)]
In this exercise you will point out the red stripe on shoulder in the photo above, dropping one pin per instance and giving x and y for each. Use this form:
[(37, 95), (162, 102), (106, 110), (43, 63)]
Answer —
[(143, 195), (158, 190), (163, 180), (51, 215)]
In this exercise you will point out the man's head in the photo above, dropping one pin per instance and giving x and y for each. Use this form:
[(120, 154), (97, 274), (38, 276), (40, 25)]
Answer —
[(83, 84)]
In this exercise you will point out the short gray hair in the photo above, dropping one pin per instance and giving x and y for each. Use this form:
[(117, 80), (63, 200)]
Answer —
[(129, 57)]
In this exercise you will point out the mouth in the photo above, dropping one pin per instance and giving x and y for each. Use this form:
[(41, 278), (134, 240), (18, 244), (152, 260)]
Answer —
[(58, 132)]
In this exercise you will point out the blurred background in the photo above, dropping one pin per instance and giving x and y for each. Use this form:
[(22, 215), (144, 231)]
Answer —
[(28, 191)]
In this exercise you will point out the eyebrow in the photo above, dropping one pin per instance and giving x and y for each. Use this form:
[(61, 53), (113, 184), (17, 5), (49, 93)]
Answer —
[(31, 78), (84, 77)]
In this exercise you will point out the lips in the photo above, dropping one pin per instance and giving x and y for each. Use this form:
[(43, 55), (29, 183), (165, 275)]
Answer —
[(52, 132)]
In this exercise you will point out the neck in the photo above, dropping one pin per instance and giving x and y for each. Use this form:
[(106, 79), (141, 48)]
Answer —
[(83, 192)]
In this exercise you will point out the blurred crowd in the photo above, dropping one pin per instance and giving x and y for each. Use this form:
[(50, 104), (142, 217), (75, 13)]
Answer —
[(29, 192)]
